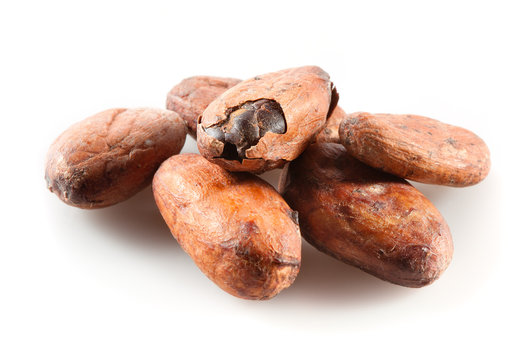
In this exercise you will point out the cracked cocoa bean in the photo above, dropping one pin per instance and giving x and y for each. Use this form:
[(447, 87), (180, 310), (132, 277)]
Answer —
[(235, 226), (416, 148), (191, 96), (264, 122), (112, 155), (367, 218), (246, 125)]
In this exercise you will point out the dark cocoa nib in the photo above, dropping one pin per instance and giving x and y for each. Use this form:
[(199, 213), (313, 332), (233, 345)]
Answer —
[(246, 124)]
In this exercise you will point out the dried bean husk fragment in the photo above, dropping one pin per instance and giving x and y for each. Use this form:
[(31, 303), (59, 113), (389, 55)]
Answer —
[(238, 230), (191, 97), (417, 148), (367, 218), (302, 97)]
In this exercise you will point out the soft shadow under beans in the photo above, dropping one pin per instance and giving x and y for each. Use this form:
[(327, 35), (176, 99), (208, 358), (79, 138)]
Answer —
[(435, 193), (323, 279), (136, 221)]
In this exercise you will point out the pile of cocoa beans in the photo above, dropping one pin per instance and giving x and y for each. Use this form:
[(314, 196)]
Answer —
[(343, 184)]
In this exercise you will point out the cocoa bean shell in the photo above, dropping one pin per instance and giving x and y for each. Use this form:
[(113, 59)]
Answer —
[(367, 218), (191, 97), (304, 94), (235, 226), (112, 155), (417, 148)]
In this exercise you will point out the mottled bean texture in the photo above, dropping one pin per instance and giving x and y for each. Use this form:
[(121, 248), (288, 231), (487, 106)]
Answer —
[(367, 218), (264, 122), (416, 148), (235, 226), (191, 97), (112, 155)]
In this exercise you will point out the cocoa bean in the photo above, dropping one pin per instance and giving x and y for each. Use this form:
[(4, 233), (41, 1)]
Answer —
[(416, 148), (112, 155), (235, 226), (367, 218), (330, 131), (283, 111), (191, 97)]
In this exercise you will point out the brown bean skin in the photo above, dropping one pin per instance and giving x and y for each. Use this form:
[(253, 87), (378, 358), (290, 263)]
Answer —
[(235, 226), (329, 134), (417, 148), (304, 94), (191, 97), (367, 218), (110, 156)]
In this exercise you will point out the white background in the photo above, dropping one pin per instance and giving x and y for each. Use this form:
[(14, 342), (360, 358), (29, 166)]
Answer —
[(113, 283)]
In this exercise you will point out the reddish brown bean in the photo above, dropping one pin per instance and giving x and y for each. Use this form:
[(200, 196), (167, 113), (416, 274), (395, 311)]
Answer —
[(417, 148), (191, 97), (235, 226), (263, 122), (330, 131), (112, 155), (367, 218)]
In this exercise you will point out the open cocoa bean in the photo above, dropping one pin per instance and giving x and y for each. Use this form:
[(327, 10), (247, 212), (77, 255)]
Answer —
[(416, 148), (112, 155), (191, 97), (235, 226), (367, 218), (261, 123)]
